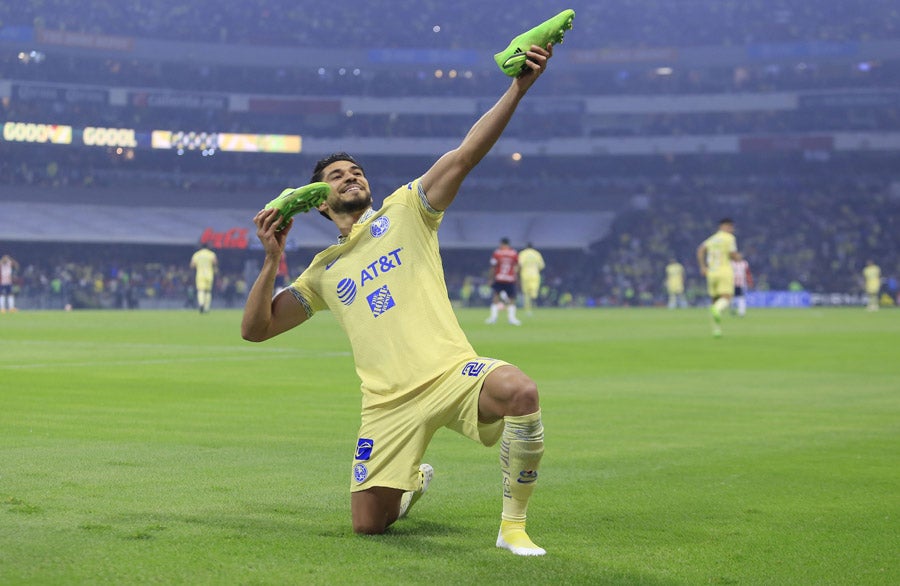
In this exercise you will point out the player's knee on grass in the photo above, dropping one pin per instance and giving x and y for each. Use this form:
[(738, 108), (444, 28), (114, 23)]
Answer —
[(374, 510)]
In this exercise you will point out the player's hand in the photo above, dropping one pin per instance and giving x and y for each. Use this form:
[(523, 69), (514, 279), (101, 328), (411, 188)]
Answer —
[(273, 240), (535, 65)]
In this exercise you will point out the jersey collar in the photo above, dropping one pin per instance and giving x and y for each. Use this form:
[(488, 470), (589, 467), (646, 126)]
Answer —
[(366, 215)]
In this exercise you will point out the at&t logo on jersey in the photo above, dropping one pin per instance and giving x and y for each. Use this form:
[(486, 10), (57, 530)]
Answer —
[(346, 291), (381, 299), (380, 266)]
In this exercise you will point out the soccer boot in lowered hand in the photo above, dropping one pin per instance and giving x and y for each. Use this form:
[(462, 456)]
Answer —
[(512, 60), (299, 200)]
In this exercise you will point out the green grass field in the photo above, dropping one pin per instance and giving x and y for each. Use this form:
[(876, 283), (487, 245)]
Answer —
[(157, 447)]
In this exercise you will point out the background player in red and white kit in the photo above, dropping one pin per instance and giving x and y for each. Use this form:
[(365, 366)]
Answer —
[(7, 299), (743, 280), (505, 263)]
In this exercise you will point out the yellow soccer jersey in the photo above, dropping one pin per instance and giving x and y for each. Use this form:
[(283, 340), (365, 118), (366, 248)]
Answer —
[(675, 277), (872, 275), (531, 263), (719, 247), (384, 284), (204, 260)]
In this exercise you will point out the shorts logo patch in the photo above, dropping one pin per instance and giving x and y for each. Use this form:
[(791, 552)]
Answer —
[(364, 448), (380, 300), (473, 368), (379, 226), (360, 473), (527, 476), (346, 291)]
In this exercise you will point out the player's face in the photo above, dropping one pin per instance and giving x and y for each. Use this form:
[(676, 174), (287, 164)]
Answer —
[(349, 187)]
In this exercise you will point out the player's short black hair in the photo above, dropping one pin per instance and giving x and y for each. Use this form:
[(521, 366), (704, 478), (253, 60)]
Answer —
[(504, 240), (332, 158), (726, 221)]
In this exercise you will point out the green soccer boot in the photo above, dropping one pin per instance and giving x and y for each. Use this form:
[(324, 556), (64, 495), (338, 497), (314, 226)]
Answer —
[(512, 60), (299, 200)]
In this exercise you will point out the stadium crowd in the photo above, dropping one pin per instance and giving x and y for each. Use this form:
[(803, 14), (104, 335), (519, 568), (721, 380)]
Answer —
[(413, 22), (795, 232)]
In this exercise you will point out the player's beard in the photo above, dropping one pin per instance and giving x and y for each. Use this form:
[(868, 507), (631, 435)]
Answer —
[(361, 202)]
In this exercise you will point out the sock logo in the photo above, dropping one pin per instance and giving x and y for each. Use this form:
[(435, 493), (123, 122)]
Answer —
[(527, 477)]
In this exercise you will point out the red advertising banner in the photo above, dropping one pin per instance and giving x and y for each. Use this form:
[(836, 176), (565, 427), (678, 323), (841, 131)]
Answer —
[(233, 238)]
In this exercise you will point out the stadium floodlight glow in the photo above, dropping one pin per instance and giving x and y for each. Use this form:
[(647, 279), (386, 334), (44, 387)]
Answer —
[(664, 71), (31, 57)]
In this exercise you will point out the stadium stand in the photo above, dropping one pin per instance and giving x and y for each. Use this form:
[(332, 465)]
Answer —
[(660, 117)]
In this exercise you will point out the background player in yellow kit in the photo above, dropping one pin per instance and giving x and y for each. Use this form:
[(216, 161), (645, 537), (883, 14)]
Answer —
[(714, 255), (872, 277), (205, 263), (384, 283), (531, 263), (675, 284)]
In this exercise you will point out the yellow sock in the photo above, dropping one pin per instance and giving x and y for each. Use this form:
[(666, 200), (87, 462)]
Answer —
[(521, 448)]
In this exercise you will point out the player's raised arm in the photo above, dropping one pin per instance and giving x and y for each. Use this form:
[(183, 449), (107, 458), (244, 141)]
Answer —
[(265, 317), (442, 181)]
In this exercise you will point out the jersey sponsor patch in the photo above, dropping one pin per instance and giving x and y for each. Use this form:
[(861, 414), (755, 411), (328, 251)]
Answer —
[(364, 448), (380, 300), (360, 473), (346, 291), (380, 266)]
